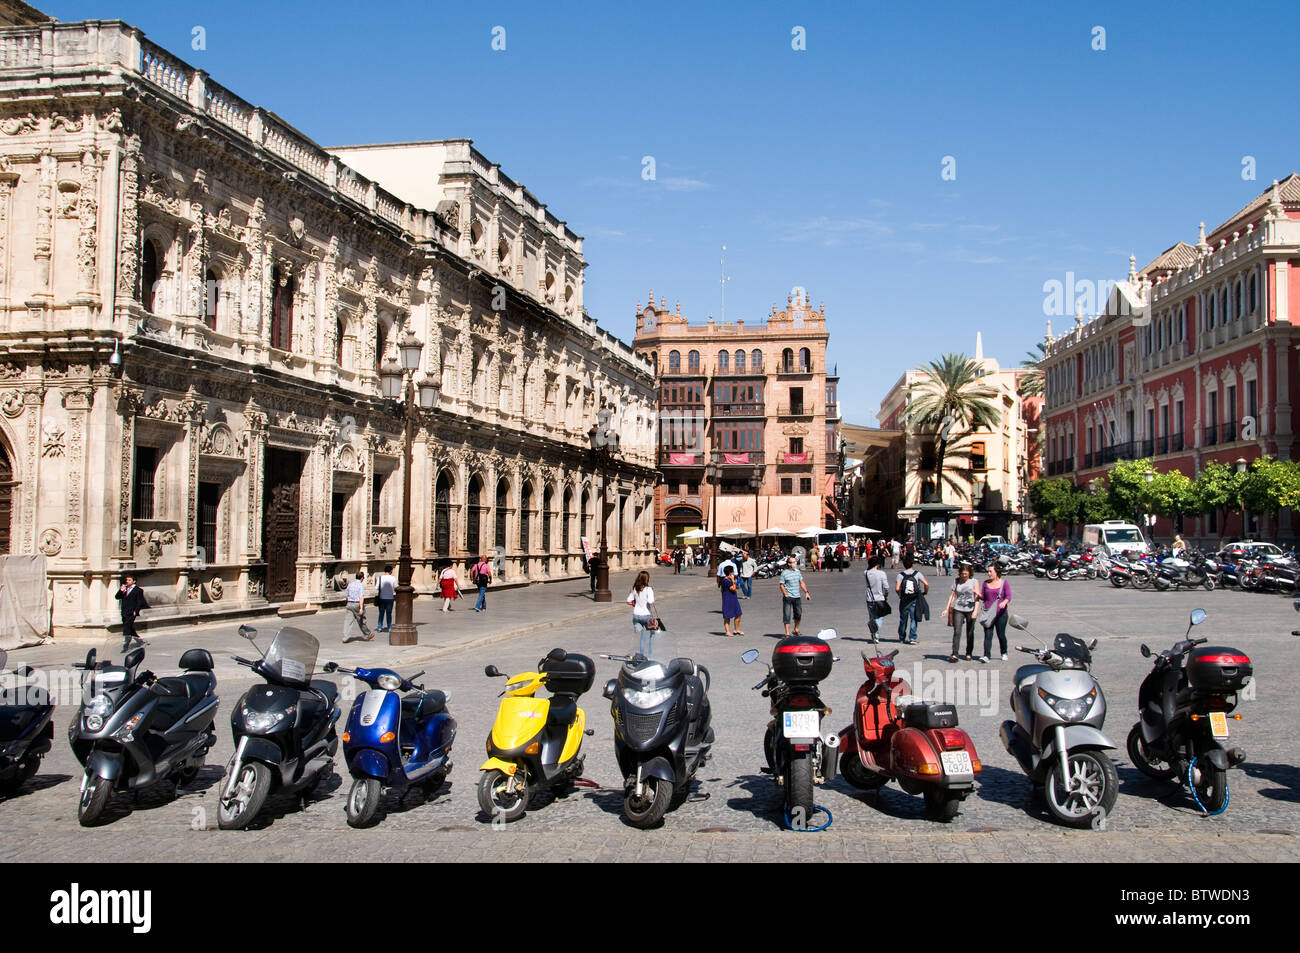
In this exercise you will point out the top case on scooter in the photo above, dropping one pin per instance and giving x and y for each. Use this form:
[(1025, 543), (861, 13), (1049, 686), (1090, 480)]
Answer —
[(569, 675), (930, 715)]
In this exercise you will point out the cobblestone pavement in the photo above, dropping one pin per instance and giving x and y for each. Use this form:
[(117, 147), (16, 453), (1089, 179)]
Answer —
[(734, 811)]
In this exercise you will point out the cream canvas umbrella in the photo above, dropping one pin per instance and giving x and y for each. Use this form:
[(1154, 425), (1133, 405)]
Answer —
[(776, 531), (736, 534), (812, 531), (696, 534), (860, 530)]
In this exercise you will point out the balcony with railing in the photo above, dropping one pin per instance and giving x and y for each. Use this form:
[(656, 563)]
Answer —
[(1211, 435), (681, 458), (793, 369), (1148, 446), (1228, 431), (796, 410), (789, 459), (739, 410), (738, 458), (1176, 442)]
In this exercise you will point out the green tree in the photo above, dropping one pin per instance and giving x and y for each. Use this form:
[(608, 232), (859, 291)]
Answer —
[(1053, 501), (1173, 494), (1129, 493), (1096, 507), (1268, 486), (1216, 489), (951, 401), (1032, 384)]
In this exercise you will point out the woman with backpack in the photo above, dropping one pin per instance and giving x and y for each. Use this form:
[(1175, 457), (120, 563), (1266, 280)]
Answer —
[(481, 574)]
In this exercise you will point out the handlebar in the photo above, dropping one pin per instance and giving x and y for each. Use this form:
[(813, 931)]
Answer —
[(243, 661)]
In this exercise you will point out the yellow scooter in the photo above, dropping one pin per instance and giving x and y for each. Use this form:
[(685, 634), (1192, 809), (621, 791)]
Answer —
[(535, 741)]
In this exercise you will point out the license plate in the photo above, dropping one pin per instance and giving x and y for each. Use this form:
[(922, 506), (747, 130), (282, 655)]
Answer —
[(1219, 724), (802, 724), (956, 762)]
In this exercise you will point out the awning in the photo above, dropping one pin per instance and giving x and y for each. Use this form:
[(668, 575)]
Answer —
[(858, 440)]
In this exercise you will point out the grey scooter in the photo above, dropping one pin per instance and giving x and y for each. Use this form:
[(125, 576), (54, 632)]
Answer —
[(1056, 735)]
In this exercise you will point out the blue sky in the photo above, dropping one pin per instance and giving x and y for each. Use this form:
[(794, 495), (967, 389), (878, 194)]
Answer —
[(820, 167)]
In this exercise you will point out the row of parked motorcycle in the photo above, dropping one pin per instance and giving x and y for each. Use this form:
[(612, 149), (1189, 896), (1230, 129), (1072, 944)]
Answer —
[(134, 729)]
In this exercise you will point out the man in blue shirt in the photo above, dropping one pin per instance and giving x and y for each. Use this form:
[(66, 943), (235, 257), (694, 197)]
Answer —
[(793, 591)]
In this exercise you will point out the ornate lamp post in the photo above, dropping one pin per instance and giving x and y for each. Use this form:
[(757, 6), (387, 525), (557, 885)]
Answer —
[(398, 382), (1241, 472), (604, 445), (756, 484), (711, 474)]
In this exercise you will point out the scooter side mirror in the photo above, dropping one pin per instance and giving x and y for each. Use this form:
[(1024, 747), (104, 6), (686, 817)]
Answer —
[(491, 672), (1197, 616), (91, 656), (247, 632), (749, 655), (610, 688), (1146, 652), (1018, 622)]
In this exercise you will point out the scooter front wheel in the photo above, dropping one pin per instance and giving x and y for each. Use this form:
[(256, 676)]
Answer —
[(1092, 786), (252, 786), (496, 800), (1145, 760), (647, 810), (94, 798), (363, 801)]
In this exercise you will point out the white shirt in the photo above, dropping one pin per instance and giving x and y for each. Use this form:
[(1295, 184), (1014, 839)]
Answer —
[(356, 590), (387, 585), (722, 567), (749, 568), (641, 601)]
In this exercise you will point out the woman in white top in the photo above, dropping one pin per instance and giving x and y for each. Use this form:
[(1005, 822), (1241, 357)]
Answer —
[(642, 600)]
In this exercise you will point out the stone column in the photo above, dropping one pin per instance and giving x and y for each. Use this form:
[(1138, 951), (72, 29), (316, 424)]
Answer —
[(88, 217), (255, 455), (77, 402), (128, 403)]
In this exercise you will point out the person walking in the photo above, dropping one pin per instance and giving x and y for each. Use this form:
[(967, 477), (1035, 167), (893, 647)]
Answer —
[(642, 600), (356, 608), (793, 590), (730, 603), (995, 596), (678, 556), (448, 586), (690, 556), (911, 586), (133, 602), (877, 595), (385, 596), (481, 575), (748, 567), (961, 612)]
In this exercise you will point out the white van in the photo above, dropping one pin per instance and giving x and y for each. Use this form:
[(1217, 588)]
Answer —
[(1115, 537)]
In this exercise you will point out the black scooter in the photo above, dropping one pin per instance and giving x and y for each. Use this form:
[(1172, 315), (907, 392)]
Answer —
[(26, 728), (662, 732), (284, 730), (1184, 706), (134, 729), (798, 752)]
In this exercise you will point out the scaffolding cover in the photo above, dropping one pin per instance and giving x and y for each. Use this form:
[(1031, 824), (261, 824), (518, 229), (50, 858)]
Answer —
[(24, 601)]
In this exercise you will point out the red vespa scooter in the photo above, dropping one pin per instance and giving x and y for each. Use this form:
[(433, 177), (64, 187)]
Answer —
[(918, 745)]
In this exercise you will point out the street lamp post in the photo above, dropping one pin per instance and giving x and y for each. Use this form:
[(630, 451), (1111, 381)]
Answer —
[(398, 382), (604, 444), (756, 482), (1241, 472), (711, 474), (1149, 476)]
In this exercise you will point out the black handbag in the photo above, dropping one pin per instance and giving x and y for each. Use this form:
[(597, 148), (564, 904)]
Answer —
[(881, 609)]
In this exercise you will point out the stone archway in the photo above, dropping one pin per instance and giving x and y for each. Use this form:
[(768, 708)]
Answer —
[(7, 484)]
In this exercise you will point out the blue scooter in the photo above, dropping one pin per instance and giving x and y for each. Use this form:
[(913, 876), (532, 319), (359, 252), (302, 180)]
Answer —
[(393, 740)]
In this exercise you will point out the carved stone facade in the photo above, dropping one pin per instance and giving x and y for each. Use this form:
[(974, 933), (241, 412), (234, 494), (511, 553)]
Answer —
[(195, 301)]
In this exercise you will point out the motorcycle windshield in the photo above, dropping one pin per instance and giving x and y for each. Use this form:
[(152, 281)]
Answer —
[(1072, 649), (657, 666), (292, 656)]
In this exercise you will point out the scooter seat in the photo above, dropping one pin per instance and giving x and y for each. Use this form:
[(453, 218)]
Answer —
[(422, 706), (198, 684), (564, 708), (326, 688)]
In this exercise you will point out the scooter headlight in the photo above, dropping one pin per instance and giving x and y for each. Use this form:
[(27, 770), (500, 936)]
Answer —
[(261, 721), (1070, 709), (94, 722), (99, 705), (640, 699), (389, 683)]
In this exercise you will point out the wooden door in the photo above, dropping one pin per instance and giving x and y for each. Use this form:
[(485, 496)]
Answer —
[(280, 522)]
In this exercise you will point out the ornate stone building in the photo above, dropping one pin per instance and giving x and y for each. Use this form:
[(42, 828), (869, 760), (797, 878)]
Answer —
[(194, 303)]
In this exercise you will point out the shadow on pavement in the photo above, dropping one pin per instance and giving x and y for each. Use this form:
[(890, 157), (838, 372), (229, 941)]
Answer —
[(764, 800), (1287, 776)]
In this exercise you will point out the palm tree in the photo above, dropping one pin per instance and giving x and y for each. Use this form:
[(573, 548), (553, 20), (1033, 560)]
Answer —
[(1031, 384), (952, 400)]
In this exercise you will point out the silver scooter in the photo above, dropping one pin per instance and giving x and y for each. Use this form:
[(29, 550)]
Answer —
[(1056, 735)]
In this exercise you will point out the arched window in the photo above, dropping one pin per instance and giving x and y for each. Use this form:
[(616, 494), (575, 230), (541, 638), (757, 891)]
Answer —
[(339, 333), (756, 360), (740, 362), (787, 360), (472, 513), (674, 362), (584, 505), (693, 362), (564, 517), (442, 516), (548, 515), (1239, 305), (723, 360), (148, 275), (805, 359), (503, 508), (525, 515), (210, 299), (282, 287), (1254, 292)]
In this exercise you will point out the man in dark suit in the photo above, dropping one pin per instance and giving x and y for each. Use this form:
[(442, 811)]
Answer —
[(132, 598)]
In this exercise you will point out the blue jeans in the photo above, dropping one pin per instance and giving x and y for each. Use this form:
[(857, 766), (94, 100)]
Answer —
[(482, 598), (907, 621), (385, 612), (645, 636), (747, 585)]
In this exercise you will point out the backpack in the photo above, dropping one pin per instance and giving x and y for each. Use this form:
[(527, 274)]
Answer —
[(911, 583), (483, 576)]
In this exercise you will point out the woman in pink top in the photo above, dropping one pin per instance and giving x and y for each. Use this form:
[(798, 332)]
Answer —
[(995, 596)]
